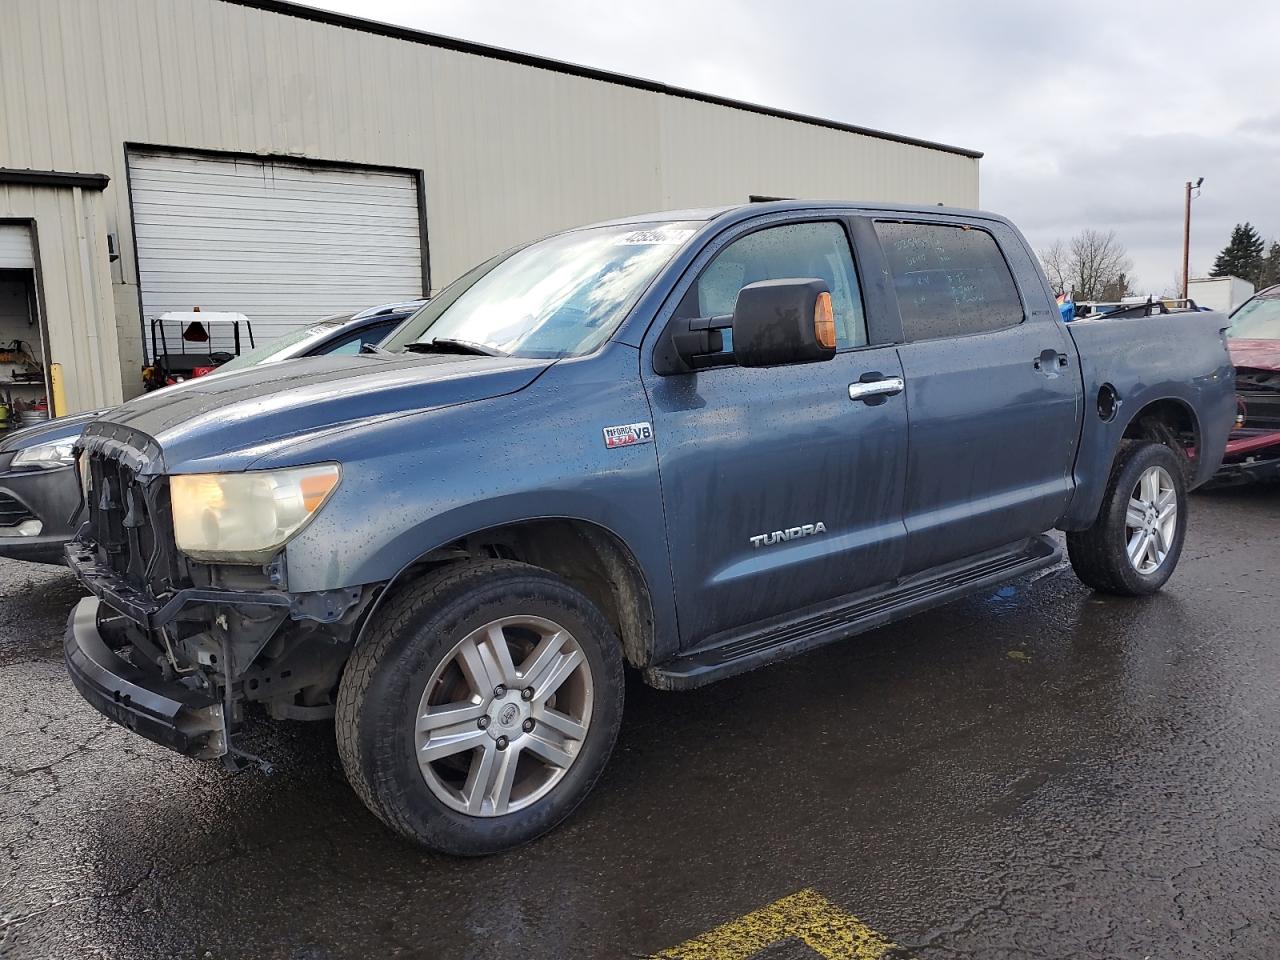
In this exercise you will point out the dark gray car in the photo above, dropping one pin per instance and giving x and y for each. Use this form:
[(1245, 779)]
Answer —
[(693, 443), (38, 489)]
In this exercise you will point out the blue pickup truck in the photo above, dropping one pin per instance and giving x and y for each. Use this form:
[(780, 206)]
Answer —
[(690, 443)]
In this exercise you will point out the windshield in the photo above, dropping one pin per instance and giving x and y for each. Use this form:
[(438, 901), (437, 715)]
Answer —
[(270, 352), (558, 297), (1258, 319)]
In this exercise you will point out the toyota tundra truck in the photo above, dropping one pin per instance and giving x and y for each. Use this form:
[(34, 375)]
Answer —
[(689, 444)]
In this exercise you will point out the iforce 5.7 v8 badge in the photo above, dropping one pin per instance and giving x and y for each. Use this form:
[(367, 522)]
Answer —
[(627, 435)]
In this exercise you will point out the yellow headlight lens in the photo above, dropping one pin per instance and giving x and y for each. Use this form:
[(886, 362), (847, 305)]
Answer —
[(246, 517)]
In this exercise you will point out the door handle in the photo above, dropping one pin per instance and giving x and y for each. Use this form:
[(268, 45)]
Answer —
[(1050, 361), (873, 388)]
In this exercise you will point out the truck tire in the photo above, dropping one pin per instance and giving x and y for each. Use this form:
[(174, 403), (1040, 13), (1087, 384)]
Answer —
[(481, 706), (1134, 544)]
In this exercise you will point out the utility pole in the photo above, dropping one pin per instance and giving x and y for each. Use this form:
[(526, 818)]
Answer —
[(1186, 236)]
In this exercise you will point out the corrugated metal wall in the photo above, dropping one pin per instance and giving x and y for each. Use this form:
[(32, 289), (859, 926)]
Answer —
[(509, 151)]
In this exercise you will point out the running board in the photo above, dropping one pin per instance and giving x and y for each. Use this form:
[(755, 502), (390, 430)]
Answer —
[(739, 652)]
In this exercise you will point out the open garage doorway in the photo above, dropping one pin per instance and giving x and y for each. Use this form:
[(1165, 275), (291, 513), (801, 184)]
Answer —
[(25, 388)]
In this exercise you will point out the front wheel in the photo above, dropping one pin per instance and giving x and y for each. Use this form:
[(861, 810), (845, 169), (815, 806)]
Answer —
[(482, 706), (1134, 545)]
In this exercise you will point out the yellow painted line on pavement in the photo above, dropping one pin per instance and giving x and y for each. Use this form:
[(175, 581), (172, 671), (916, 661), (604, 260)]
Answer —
[(806, 916)]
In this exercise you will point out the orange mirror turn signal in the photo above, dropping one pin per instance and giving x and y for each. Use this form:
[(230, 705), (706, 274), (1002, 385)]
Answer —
[(824, 322)]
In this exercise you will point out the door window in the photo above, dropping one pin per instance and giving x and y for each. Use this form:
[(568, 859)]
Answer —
[(951, 280), (791, 251)]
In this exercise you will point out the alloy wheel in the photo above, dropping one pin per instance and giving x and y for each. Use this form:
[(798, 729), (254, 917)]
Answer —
[(504, 716), (1151, 520)]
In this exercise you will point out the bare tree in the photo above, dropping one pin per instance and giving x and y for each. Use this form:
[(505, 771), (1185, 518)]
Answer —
[(1100, 266), (1056, 260), (1093, 266)]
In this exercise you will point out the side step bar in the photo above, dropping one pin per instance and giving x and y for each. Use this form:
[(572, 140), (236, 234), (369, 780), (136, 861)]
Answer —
[(727, 656)]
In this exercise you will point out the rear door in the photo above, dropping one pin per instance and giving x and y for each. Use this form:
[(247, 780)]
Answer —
[(992, 387), (779, 490)]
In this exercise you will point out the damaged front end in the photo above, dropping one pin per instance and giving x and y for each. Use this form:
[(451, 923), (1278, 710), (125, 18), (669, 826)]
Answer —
[(1253, 450), (172, 648)]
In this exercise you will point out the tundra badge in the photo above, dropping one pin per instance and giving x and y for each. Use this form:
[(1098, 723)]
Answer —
[(791, 533), (628, 434)]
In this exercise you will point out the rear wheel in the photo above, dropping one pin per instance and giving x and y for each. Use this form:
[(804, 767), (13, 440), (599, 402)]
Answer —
[(482, 708), (1134, 545)]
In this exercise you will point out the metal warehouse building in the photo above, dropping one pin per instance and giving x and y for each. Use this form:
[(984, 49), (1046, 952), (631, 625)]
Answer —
[(286, 163)]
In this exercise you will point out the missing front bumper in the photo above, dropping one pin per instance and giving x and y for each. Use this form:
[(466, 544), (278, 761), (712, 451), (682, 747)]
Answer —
[(169, 713)]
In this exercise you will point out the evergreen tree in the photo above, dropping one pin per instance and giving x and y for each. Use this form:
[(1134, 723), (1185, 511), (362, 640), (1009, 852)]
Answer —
[(1242, 256), (1270, 274)]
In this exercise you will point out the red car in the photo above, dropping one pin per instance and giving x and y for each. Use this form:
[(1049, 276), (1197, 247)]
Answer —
[(1253, 452)]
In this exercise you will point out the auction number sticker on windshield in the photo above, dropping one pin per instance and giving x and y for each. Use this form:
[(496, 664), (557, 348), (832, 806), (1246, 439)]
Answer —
[(628, 435), (663, 235)]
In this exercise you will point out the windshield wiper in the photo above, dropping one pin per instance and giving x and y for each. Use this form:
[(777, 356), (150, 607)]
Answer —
[(448, 345), (374, 348)]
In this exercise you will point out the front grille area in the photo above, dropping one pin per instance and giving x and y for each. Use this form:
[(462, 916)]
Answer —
[(1259, 392), (131, 525), (1250, 379), (12, 512), (1262, 410)]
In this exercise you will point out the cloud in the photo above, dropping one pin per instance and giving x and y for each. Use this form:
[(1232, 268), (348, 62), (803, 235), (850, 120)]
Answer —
[(1090, 113)]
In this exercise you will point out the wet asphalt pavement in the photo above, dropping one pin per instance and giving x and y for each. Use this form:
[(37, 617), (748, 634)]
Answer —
[(1038, 772)]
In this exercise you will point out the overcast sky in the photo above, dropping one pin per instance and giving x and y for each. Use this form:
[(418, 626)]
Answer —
[(1091, 114)]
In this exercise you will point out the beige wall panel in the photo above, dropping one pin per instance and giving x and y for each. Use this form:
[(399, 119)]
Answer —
[(714, 155)]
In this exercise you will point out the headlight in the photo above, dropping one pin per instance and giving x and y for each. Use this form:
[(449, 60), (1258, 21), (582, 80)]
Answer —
[(59, 453), (246, 517)]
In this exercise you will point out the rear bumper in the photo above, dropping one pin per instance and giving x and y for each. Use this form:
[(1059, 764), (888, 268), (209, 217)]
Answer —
[(169, 713)]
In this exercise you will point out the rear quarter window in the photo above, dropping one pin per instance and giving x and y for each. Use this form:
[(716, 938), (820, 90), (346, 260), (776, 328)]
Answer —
[(951, 281)]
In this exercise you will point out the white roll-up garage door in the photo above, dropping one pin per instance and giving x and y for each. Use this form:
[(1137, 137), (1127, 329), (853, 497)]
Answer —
[(282, 243), (15, 247)]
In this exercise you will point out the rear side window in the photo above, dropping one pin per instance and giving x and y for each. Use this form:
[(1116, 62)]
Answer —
[(950, 281), (786, 252)]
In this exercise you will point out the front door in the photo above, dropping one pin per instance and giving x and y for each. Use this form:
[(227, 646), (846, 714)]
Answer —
[(992, 387), (780, 491)]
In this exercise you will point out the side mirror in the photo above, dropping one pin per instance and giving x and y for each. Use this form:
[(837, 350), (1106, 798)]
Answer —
[(774, 322), (777, 322)]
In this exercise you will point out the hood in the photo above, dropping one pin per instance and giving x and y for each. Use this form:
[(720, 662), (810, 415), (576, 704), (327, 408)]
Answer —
[(51, 431), (1255, 354), (253, 411)]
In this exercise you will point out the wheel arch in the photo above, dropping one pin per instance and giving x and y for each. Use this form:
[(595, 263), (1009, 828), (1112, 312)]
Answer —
[(587, 554), (1165, 419)]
